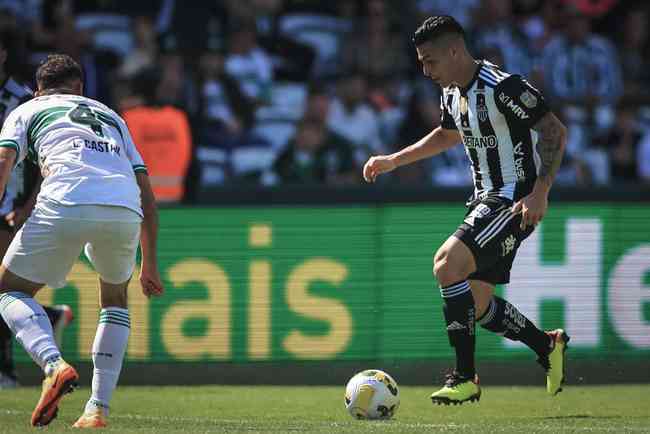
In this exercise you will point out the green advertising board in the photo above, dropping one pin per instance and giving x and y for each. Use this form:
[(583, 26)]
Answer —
[(355, 283)]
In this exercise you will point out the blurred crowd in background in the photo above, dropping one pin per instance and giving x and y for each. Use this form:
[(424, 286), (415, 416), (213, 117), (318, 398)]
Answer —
[(281, 92)]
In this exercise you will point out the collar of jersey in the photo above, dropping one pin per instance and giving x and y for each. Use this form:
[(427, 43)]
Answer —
[(464, 90)]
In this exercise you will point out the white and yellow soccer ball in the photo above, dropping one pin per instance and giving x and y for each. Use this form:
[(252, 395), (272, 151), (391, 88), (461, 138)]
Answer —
[(372, 394)]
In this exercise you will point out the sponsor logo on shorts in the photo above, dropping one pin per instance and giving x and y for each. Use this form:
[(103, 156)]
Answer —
[(481, 211), (508, 245)]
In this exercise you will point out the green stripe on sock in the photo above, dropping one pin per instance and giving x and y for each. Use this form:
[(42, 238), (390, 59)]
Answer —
[(114, 312), (111, 321), (7, 298), (117, 317)]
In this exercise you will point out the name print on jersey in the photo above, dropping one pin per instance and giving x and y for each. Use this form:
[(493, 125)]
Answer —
[(487, 142), (97, 146), (516, 109)]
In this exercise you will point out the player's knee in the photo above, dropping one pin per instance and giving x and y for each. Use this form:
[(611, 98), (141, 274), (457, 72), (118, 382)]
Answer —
[(439, 262), (445, 272), (114, 296), (447, 269)]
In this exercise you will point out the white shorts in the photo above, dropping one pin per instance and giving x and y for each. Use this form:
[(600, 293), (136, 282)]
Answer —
[(47, 246)]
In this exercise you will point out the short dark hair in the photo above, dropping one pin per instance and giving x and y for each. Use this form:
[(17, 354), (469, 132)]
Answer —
[(436, 26), (57, 71)]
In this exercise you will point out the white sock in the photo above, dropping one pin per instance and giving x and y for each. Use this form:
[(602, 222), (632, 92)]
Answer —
[(31, 326), (108, 353)]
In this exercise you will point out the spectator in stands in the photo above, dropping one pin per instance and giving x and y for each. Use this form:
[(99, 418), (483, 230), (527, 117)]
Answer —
[(315, 156), (191, 23), (322, 26), (582, 77), (145, 48), (225, 112), (248, 63), (177, 88), (464, 11), (67, 39), (498, 29), (374, 46), (351, 117), (318, 102), (623, 146), (634, 50), (377, 50), (540, 21), (224, 121), (162, 136), (292, 60)]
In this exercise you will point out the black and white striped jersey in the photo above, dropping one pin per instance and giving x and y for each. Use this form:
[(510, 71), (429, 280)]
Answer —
[(494, 115), (12, 94)]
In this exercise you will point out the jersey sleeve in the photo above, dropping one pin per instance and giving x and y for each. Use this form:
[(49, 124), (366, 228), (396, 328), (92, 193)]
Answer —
[(14, 135), (131, 151), (446, 119), (519, 101)]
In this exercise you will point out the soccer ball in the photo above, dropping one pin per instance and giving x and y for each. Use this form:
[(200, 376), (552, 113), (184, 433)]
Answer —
[(372, 394)]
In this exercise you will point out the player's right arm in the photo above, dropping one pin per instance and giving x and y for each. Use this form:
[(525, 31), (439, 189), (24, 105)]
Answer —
[(432, 144), (149, 274)]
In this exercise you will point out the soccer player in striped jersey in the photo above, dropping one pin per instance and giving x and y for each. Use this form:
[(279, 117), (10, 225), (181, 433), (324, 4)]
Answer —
[(96, 197), (15, 206), (514, 144)]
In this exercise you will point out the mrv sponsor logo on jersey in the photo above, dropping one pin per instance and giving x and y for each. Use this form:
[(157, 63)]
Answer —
[(516, 109)]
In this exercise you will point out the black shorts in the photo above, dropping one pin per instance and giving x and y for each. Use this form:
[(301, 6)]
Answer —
[(493, 235)]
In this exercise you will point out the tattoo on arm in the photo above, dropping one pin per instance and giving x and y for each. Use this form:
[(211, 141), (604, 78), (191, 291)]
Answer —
[(550, 146)]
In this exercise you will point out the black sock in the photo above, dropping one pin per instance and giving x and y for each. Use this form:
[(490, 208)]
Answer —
[(503, 318), (6, 356), (459, 315), (52, 314)]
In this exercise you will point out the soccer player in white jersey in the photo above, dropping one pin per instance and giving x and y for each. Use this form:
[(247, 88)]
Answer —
[(95, 197), (515, 145)]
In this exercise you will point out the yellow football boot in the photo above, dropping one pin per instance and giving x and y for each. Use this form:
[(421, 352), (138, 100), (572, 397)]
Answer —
[(553, 363), (457, 390)]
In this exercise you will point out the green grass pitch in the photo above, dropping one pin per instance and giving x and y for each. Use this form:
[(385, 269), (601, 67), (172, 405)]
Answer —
[(250, 409)]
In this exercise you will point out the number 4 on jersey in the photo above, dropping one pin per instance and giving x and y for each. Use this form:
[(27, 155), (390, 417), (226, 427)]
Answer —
[(82, 114)]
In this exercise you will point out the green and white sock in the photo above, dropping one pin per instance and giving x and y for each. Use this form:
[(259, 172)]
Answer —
[(108, 353), (31, 326)]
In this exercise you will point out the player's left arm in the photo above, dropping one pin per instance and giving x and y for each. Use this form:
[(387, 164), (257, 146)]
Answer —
[(149, 275), (551, 142), (524, 107)]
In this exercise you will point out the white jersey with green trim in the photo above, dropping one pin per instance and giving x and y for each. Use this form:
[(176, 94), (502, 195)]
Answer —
[(83, 148)]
